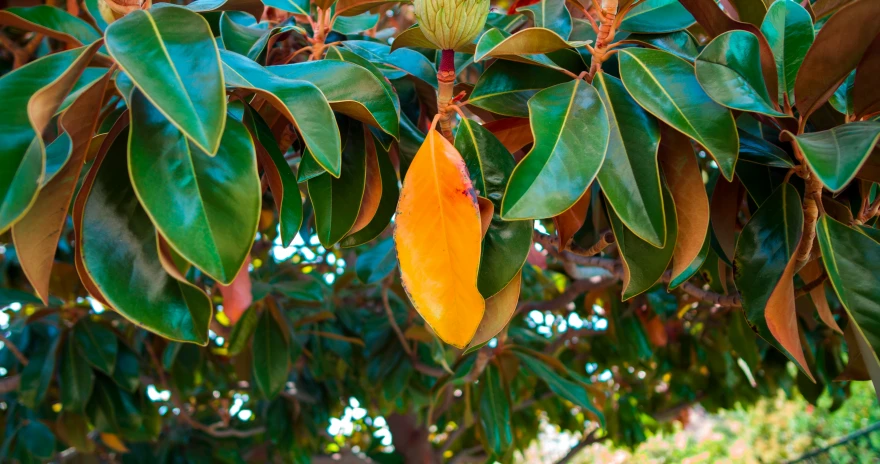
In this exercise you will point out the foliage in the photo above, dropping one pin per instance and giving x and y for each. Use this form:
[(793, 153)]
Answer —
[(228, 224)]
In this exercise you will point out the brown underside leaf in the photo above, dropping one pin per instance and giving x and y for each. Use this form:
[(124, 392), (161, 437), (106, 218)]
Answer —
[(514, 133), (676, 156), (372, 188), (782, 317), (572, 219), (865, 91), (36, 234), (500, 308), (809, 273), (725, 205), (237, 296), (487, 209)]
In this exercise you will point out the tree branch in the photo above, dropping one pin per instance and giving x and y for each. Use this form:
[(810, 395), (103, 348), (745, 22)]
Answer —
[(587, 441), (14, 349)]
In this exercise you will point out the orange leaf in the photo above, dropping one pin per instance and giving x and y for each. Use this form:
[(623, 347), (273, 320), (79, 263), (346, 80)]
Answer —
[(114, 442), (685, 183), (372, 188), (782, 318), (571, 220), (499, 310), (438, 241), (487, 208), (36, 234), (237, 296), (810, 272)]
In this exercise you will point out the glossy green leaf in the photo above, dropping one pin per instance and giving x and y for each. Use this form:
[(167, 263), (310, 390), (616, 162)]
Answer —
[(376, 263), (75, 377), (666, 86), (414, 37), (97, 344), (350, 89), (126, 265), (241, 34), (242, 331), (764, 248), (571, 134), (354, 24), (507, 243), (342, 54), (281, 178), (550, 14), (387, 204), (254, 7), (643, 263), (506, 87), (337, 201), (397, 64), (93, 10), (126, 374), (657, 16), (207, 207), (170, 54), (532, 41), (693, 267), (495, 415), (570, 391), (301, 102), (754, 149), (630, 175), (52, 21), (836, 155), (31, 95), (852, 261), (729, 70), (302, 290), (270, 355), (37, 375), (300, 7), (789, 30), (680, 43)]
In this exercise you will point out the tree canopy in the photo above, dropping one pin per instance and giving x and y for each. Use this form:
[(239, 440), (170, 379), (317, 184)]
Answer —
[(305, 231)]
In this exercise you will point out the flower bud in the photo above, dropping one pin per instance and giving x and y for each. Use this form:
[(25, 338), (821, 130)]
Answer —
[(111, 10), (450, 24)]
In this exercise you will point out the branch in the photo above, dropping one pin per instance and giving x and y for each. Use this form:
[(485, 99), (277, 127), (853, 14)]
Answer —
[(8, 384), (587, 441), (14, 349), (427, 370)]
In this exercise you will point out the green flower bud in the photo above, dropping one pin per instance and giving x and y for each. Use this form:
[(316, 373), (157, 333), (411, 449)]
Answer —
[(450, 24)]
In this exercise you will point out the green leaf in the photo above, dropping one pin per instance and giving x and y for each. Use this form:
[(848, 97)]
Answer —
[(37, 439), (754, 149), (270, 350), (337, 201), (387, 204), (571, 135), (550, 14), (97, 344), (852, 261), (643, 263), (837, 154), (309, 290), (354, 24), (729, 70), (207, 207), (789, 30), (657, 16), (239, 32), (31, 95), (495, 415), (506, 87), (282, 180), (242, 331), (397, 64), (300, 7), (93, 10), (666, 87), (301, 102), (171, 56), (120, 254), (693, 267), (254, 7), (680, 43), (51, 21), (414, 37), (532, 41), (76, 378), (374, 264), (37, 375), (630, 176), (507, 243), (350, 89), (565, 388), (342, 54), (763, 250)]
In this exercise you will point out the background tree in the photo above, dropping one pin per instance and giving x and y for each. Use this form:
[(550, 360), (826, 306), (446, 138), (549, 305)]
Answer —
[(629, 207)]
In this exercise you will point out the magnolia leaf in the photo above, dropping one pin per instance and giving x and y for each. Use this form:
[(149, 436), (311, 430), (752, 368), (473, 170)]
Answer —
[(531, 41), (657, 16), (270, 348), (571, 133), (836, 155), (52, 22), (171, 56), (500, 309), (438, 241), (550, 14), (571, 220), (789, 30), (506, 87), (666, 87), (387, 204)]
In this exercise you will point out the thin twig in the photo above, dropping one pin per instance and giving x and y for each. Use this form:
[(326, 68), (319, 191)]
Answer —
[(14, 349), (394, 326)]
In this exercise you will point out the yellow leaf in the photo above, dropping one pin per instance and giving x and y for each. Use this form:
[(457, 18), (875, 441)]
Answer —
[(113, 442), (439, 242)]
